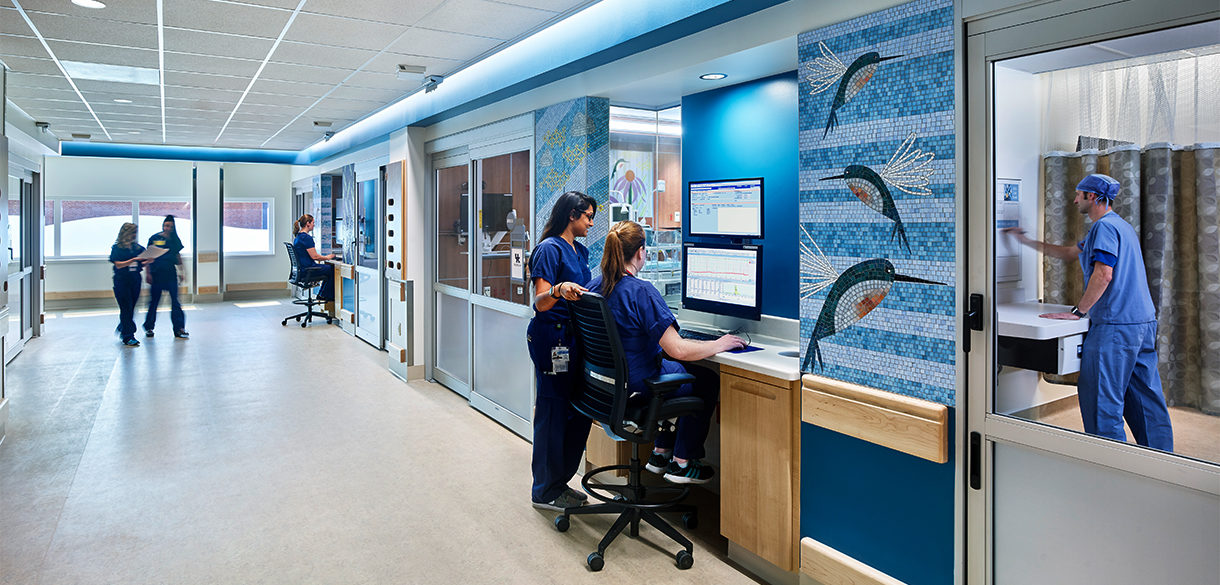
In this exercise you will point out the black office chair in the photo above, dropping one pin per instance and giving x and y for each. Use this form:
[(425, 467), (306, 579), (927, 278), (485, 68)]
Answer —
[(603, 397), (307, 280)]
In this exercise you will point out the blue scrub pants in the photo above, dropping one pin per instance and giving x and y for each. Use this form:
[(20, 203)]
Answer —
[(126, 293), (560, 432), (1119, 379), (687, 442), (167, 283), (326, 292)]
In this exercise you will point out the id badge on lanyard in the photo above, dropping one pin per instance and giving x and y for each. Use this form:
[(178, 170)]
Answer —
[(559, 359)]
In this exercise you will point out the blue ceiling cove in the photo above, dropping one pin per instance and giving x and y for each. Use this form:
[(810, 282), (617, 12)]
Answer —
[(600, 34)]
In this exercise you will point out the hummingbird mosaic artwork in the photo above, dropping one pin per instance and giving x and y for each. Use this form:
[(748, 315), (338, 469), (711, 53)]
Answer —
[(908, 171), (825, 70), (854, 293)]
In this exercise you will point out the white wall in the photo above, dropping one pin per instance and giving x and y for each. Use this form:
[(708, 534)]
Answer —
[(1018, 156), (251, 180)]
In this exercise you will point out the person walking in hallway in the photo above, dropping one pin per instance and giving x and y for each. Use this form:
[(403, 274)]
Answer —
[(165, 274), (127, 268), (1118, 364), (559, 266)]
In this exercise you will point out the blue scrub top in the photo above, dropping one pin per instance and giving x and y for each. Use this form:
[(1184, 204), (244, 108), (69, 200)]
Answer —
[(555, 261), (642, 318), (118, 254), (302, 243), (1127, 299), (165, 265)]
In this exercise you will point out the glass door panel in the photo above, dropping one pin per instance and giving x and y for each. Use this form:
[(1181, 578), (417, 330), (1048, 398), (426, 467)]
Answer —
[(504, 216), (451, 303)]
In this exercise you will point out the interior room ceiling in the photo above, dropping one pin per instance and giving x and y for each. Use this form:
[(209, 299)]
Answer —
[(335, 61)]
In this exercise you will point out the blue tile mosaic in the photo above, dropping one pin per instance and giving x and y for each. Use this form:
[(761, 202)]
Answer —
[(878, 202), (572, 153)]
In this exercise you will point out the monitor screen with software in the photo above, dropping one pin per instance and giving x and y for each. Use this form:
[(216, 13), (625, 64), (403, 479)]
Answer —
[(730, 208), (722, 279)]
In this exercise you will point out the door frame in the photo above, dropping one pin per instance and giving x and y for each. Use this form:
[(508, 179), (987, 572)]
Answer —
[(997, 36), (443, 160)]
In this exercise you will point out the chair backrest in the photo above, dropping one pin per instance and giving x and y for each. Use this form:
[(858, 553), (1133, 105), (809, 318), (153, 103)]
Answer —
[(603, 363), (292, 258)]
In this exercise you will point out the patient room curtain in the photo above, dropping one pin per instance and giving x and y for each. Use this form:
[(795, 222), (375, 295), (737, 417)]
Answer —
[(1169, 196)]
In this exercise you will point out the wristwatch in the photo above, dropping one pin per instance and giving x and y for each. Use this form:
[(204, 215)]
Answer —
[(552, 293), (1076, 311)]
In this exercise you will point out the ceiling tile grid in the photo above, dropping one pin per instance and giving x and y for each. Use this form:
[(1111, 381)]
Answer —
[(336, 62)]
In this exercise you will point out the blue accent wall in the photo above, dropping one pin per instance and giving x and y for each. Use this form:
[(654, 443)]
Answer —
[(750, 130), (889, 510)]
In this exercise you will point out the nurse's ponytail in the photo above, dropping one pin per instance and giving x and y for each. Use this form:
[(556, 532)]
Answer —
[(622, 243), (300, 224)]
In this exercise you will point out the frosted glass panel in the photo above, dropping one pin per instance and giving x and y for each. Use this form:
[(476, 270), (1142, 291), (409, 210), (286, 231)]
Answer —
[(502, 369), (452, 336)]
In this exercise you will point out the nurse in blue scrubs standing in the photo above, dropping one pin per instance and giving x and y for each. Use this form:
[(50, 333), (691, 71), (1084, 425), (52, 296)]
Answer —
[(648, 331), (559, 266), (127, 280), (165, 274), (1118, 364)]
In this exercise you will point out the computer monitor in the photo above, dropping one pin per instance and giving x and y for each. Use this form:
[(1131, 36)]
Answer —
[(722, 279), (727, 208)]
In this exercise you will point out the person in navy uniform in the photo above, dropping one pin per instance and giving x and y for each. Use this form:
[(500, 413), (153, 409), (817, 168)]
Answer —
[(165, 273), (1118, 364), (309, 260), (649, 331), (127, 280), (559, 266)]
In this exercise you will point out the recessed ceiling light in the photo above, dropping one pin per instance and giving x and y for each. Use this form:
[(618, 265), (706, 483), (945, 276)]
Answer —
[(88, 4), (122, 101), (104, 72), (133, 131), (712, 76)]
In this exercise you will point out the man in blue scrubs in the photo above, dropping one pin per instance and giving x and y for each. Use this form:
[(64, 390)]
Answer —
[(1118, 365)]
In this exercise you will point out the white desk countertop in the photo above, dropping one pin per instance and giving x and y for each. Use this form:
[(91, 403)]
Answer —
[(766, 361), (1022, 320)]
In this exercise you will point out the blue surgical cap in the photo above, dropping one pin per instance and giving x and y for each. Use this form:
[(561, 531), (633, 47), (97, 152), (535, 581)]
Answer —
[(1103, 185)]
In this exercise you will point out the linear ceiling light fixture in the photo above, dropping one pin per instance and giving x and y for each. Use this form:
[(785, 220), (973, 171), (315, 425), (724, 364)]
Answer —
[(37, 33), (161, 61), (270, 52), (89, 4)]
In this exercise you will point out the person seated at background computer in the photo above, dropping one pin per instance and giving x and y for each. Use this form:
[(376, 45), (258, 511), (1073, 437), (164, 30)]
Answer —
[(559, 266), (308, 258), (647, 328)]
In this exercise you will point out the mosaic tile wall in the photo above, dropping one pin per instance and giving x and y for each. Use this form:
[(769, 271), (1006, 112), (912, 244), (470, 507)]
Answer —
[(877, 200), (572, 153)]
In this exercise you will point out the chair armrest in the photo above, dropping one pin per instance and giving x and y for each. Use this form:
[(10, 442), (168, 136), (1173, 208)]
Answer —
[(666, 383)]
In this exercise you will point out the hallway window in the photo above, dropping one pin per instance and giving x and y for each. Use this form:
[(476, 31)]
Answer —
[(248, 227), (152, 213), (88, 228)]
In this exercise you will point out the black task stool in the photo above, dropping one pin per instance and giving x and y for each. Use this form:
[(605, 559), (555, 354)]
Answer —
[(305, 279), (603, 397)]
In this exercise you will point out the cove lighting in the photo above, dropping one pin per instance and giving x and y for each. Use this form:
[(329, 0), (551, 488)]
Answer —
[(89, 4), (712, 76)]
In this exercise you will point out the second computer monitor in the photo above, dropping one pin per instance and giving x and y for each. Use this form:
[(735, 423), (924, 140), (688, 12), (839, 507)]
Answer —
[(729, 208), (722, 279)]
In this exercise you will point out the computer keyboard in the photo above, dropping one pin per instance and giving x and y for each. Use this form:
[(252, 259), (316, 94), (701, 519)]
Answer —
[(696, 335)]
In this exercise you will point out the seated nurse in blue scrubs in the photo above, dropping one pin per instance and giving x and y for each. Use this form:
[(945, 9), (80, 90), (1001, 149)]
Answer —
[(559, 266), (309, 261), (649, 330)]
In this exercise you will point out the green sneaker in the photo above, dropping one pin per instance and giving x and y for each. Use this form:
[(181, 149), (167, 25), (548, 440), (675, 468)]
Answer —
[(694, 472), (565, 500)]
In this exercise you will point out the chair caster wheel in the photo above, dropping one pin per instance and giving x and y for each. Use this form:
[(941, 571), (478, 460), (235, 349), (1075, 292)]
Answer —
[(596, 561), (304, 324), (685, 560), (284, 323), (562, 523), (329, 321), (690, 520)]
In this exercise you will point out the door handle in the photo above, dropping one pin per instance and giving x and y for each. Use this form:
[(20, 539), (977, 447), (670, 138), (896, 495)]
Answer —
[(973, 319)]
